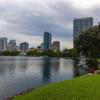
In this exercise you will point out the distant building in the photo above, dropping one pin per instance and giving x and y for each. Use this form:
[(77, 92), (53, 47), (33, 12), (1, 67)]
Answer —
[(12, 45), (24, 46), (81, 25), (13, 42), (31, 49), (18, 48), (42, 47), (47, 41), (39, 49), (3, 44), (56, 46)]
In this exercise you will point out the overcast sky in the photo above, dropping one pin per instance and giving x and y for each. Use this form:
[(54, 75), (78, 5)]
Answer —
[(26, 20)]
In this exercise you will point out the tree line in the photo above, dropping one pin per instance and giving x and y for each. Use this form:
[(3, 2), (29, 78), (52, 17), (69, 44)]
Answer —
[(49, 53)]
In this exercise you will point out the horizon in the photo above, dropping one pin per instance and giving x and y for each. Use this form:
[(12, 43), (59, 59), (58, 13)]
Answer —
[(27, 20)]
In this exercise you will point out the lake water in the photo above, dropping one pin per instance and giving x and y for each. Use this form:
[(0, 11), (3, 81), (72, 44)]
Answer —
[(18, 74)]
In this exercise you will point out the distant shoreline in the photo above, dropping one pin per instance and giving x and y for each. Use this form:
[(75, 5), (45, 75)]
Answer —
[(42, 56)]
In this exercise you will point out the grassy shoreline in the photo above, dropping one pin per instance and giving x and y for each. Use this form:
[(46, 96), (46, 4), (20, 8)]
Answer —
[(81, 88)]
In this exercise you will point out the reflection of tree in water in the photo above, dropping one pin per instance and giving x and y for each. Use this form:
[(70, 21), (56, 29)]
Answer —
[(46, 69), (78, 71)]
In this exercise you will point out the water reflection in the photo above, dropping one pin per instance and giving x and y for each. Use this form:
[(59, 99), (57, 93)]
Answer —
[(78, 71), (46, 69), (55, 64), (6, 67), (18, 74), (22, 65)]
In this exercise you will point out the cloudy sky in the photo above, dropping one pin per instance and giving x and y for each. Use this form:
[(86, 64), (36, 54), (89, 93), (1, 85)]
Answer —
[(26, 20)]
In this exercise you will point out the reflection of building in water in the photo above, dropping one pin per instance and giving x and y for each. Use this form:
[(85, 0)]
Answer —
[(2, 71), (7, 66), (46, 69), (56, 65), (22, 64)]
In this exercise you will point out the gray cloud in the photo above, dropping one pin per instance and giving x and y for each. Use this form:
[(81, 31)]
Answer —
[(33, 18)]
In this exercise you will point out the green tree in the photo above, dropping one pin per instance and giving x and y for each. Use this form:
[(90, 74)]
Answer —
[(5, 53), (88, 43), (33, 53), (69, 52), (14, 53)]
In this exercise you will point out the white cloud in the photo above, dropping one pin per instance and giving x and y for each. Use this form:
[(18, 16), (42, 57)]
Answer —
[(32, 40), (84, 4)]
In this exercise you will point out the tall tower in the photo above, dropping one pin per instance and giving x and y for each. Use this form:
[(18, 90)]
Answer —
[(47, 41), (81, 25), (3, 44)]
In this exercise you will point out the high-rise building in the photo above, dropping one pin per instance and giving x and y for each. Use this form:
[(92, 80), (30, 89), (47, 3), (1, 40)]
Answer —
[(12, 45), (24, 46), (56, 46), (47, 41), (13, 42), (3, 44), (42, 47), (81, 25)]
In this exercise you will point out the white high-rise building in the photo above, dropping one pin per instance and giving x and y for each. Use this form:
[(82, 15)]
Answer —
[(3, 44), (11, 45)]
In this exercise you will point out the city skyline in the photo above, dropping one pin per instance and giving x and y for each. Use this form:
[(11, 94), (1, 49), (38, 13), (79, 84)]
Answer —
[(27, 20), (12, 45)]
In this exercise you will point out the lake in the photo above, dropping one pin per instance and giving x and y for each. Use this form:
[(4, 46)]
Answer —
[(18, 74)]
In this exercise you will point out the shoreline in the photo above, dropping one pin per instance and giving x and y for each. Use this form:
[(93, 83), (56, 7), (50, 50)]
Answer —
[(31, 89), (21, 93)]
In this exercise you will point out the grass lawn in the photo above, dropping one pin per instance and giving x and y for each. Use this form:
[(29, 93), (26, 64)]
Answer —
[(82, 88)]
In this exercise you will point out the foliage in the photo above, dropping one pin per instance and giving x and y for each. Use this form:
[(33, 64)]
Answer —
[(33, 53), (82, 88), (8, 53), (88, 42), (91, 62), (51, 53), (69, 52)]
